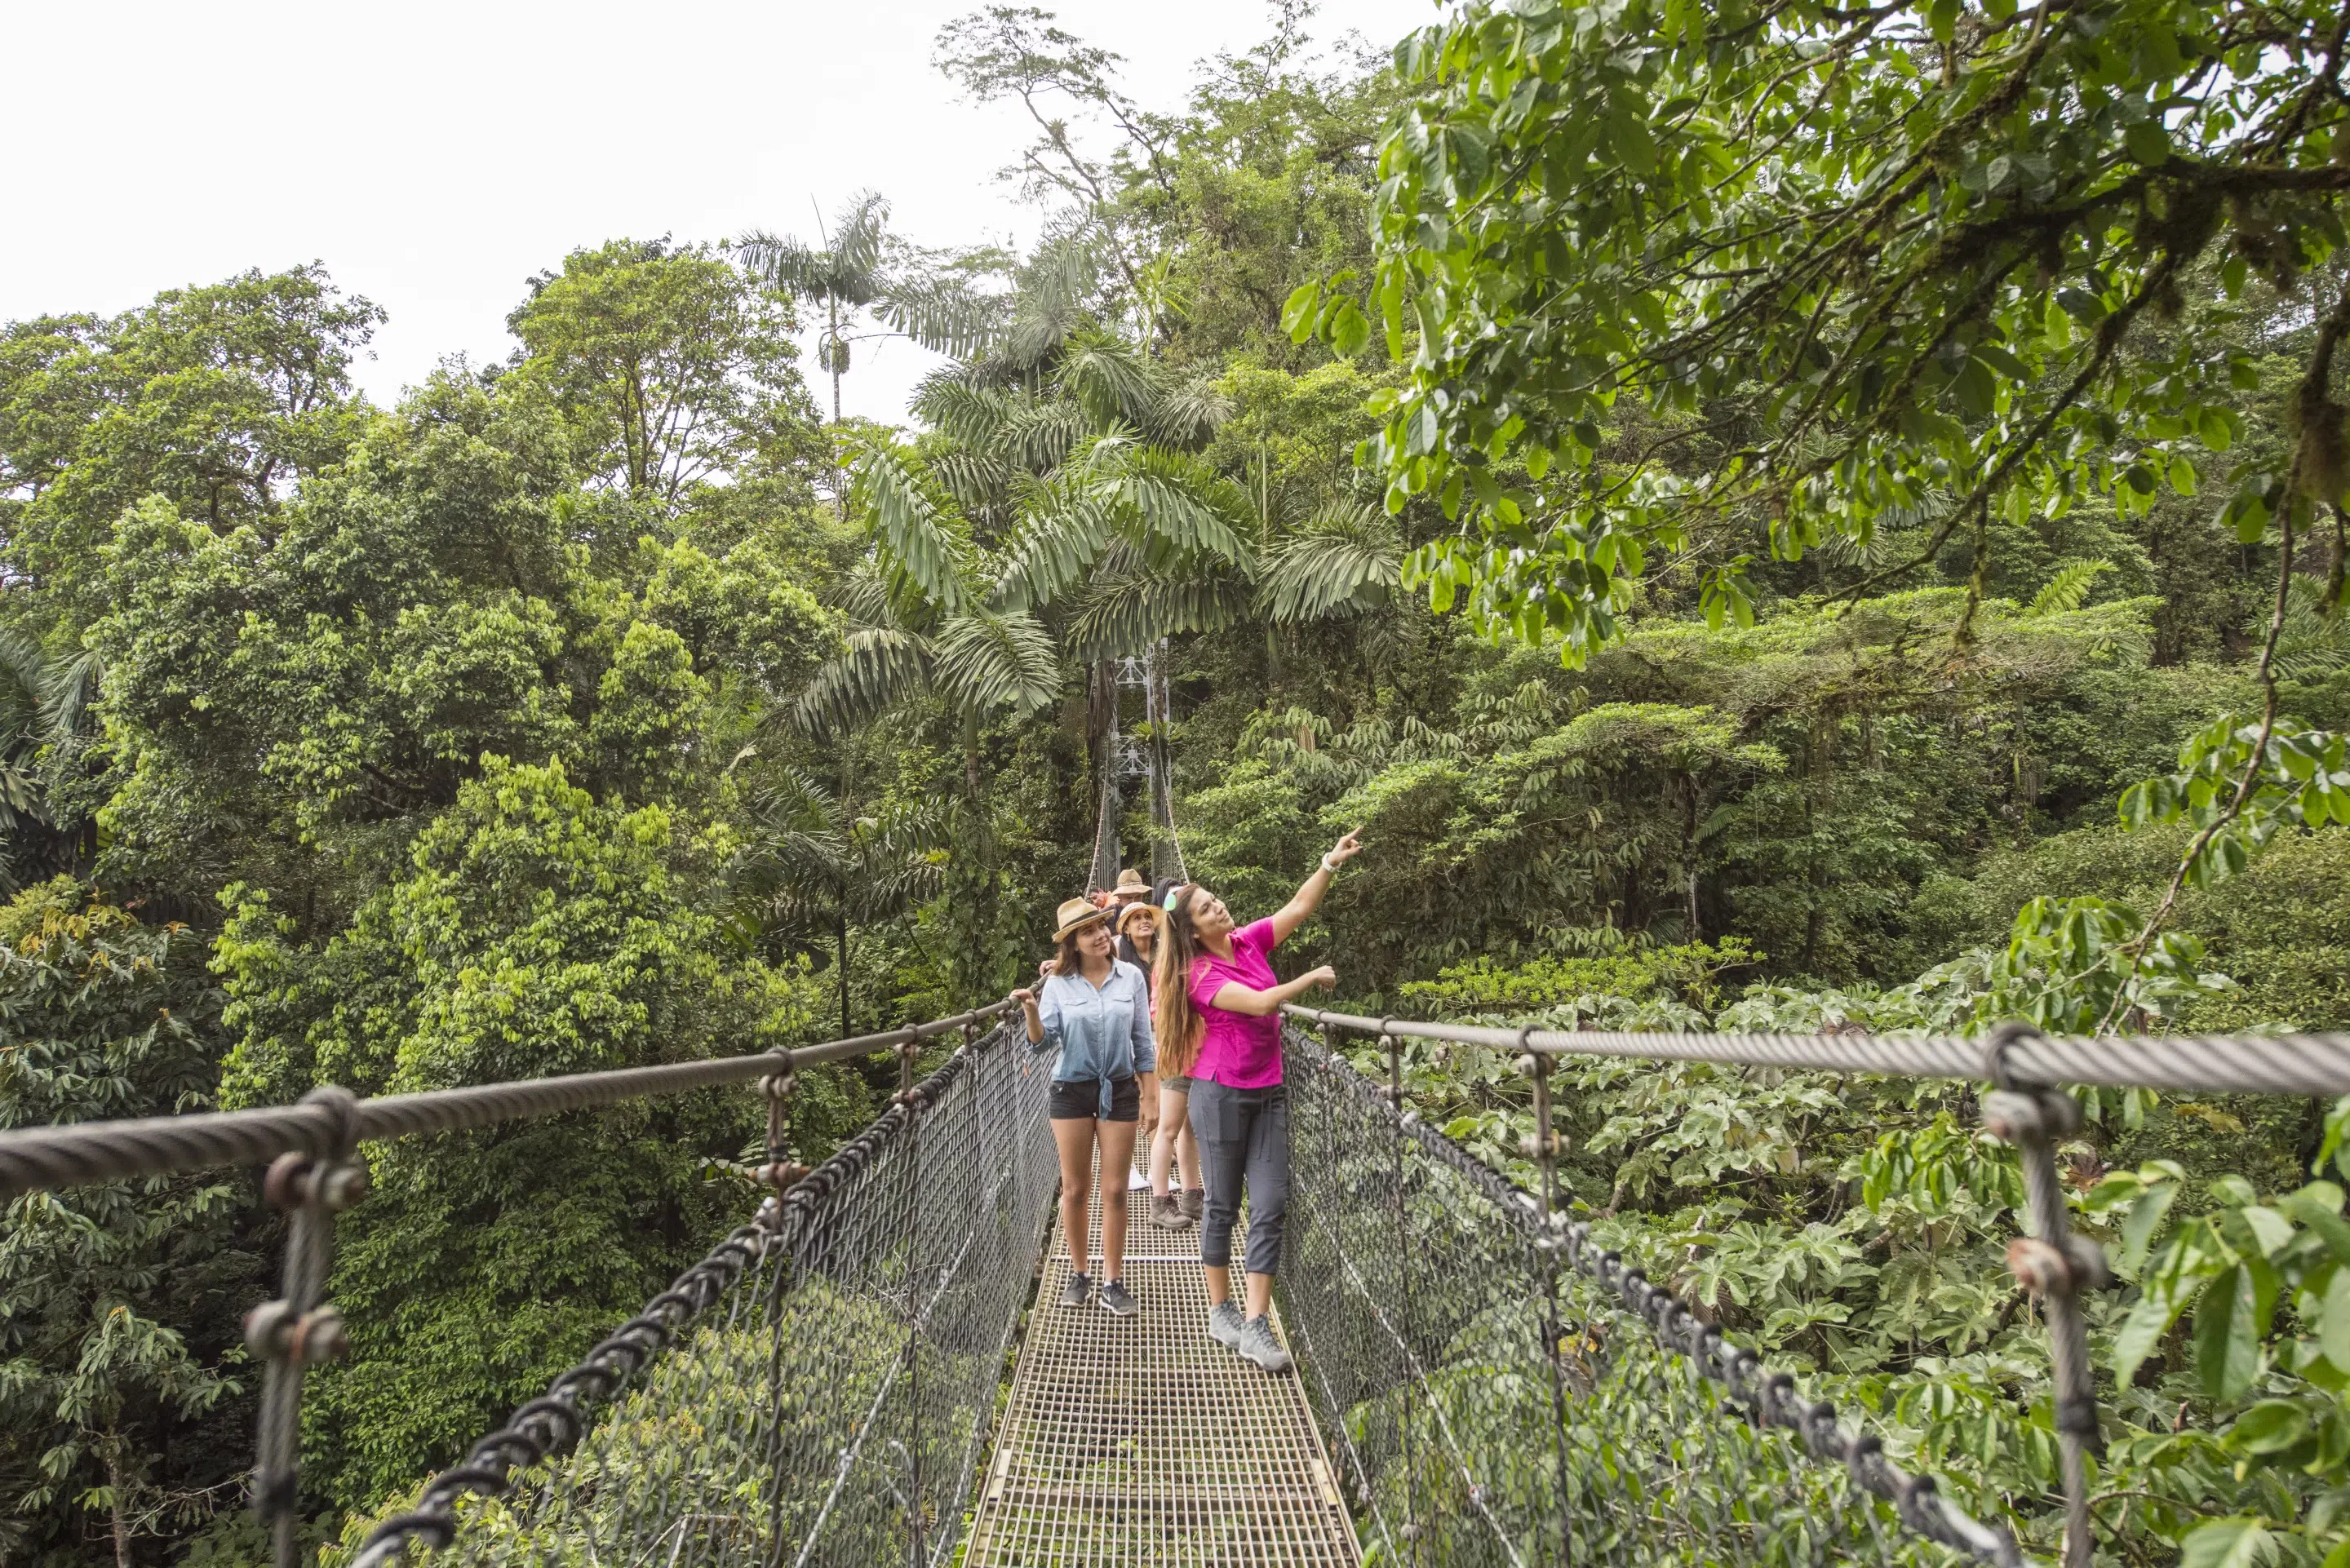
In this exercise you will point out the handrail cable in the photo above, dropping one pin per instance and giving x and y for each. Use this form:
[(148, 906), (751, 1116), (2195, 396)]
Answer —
[(329, 1119), (2210, 1064)]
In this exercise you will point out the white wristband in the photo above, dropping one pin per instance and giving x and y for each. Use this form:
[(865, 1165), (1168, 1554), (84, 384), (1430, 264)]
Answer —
[(1327, 866)]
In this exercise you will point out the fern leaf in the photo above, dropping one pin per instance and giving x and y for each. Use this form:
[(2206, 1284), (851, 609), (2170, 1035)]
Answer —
[(2067, 590)]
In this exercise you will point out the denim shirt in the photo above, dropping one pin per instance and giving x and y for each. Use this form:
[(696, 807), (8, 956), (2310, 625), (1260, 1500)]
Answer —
[(1101, 1034)]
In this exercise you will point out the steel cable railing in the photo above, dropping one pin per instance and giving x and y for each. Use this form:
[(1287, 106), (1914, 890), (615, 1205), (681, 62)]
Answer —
[(948, 1283), (814, 1392), (1496, 1385), (329, 1121), (2210, 1064), (1500, 1389)]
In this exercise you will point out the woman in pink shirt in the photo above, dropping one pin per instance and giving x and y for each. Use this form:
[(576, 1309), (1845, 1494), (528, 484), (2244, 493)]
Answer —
[(1216, 986)]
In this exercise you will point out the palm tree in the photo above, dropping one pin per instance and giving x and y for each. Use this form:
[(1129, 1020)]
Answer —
[(844, 272), (46, 705), (809, 866), (1059, 508)]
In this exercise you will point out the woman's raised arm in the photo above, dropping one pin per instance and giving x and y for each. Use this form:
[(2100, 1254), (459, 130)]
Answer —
[(1308, 896)]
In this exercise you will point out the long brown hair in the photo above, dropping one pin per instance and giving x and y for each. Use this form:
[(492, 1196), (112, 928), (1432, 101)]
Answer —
[(1177, 1022)]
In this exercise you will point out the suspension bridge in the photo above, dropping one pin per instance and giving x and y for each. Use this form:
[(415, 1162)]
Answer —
[(870, 1368), (866, 1371)]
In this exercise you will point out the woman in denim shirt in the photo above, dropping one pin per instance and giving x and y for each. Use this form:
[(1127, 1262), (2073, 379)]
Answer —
[(1095, 1009)]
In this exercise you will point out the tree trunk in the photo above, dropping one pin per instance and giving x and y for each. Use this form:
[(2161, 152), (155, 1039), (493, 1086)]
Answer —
[(1689, 853), (119, 1485), (840, 962), (832, 363), (832, 352)]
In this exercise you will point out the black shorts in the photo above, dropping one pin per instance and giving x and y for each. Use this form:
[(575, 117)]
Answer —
[(1080, 1100)]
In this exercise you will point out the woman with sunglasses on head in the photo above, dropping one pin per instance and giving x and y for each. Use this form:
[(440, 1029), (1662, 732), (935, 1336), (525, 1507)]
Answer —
[(1173, 1149), (1220, 1000), (1095, 1009)]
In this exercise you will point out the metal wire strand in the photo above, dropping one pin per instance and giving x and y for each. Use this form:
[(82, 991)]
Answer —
[(2208, 1064), (817, 1390), (1431, 1357), (38, 1158)]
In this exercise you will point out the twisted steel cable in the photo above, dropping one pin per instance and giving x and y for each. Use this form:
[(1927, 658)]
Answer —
[(555, 1423), (1759, 1396), (2208, 1063), (37, 1158)]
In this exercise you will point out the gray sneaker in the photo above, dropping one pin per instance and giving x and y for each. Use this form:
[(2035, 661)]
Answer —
[(1118, 1301), (1167, 1213), (1073, 1294), (1225, 1324), (1194, 1200), (1257, 1344)]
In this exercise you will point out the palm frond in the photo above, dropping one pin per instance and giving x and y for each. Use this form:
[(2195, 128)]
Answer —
[(1110, 381), (953, 403), (783, 261), (1186, 416), (981, 485), (26, 684), (1057, 285), (72, 694), (947, 315), (2312, 643), (988, 660), (858, 234), (1040, 433), (1124, 612), (1168, 496), (914, 521), (880, 666), (2067, 590), (1061, 535), (1346, 557)]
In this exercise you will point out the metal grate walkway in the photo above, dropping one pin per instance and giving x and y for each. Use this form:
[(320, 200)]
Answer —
[(1141, 1441)]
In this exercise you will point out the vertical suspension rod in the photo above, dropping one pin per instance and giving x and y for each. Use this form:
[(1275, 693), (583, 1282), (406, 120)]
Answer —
[(1543, 1145)]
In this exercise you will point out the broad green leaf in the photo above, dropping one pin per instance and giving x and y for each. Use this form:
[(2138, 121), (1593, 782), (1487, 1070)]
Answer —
[(2227, 1337), (1349, 330), (2146, 1217), (2334, 1320), (1628, 138), (2147, 142), (2227, 1543), (2269, 1426), (1297, 313)]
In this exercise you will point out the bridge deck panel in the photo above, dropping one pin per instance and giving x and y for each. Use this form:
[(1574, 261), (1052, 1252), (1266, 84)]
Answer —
[(1141, 1441)]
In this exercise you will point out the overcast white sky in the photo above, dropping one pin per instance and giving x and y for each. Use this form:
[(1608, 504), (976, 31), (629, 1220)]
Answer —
[(436, 153)]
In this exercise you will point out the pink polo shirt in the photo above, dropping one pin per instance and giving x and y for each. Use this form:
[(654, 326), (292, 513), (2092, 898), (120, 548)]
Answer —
[(1236, 1050)]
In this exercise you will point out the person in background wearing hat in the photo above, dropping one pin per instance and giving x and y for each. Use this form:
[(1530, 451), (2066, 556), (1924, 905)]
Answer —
[(1095, 1009), (1130, 889), (1169, 1129)]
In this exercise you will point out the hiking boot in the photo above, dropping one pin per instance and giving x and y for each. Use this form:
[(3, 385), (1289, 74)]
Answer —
[(1073, 1294), (1225, 1324), (1118, 1301), (1194, 1200), (1167, 1213), (1257, 1344)]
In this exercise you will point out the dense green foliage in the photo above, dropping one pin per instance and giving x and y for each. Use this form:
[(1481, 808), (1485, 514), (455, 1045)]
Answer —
[(118, 1301), (1813, 410)]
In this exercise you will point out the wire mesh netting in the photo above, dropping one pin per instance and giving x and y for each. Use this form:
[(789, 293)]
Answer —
[(819, 1391), (1488, 1401)]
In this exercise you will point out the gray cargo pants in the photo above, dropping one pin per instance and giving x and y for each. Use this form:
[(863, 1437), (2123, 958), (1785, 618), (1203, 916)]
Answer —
[(1244, 1138)]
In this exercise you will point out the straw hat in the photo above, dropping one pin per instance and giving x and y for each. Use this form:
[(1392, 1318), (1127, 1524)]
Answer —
[(1130, 882), (1126, 916), (1075, 915)]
